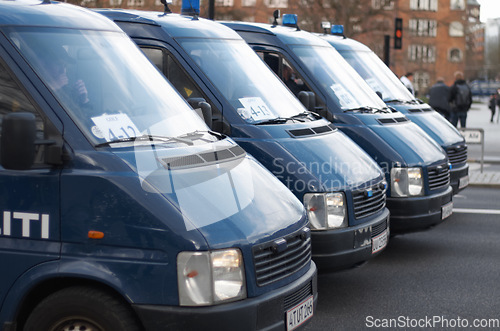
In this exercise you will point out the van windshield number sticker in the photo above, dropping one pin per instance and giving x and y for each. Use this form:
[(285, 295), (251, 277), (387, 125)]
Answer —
[(115, 127), (345, 97), (255, 109)]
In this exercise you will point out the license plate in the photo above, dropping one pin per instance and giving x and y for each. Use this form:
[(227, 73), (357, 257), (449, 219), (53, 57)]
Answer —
[(379, 242), (297, 315), (463, 182), (446, 210)]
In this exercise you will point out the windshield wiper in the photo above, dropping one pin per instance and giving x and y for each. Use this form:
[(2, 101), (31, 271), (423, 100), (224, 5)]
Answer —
[(301, 117), (364, 109), (149, 137)]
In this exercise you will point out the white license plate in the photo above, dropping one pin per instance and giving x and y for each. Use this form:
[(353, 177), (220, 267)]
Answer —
[(463, 182), (446, 210), (379, 242), (299, 314)]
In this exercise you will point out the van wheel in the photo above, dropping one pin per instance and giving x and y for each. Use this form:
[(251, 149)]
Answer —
[(81, 308)]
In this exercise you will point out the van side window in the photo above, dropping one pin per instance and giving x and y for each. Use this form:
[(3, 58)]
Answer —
[(166, 63), (291, 77), (13, 99), (285, 72)]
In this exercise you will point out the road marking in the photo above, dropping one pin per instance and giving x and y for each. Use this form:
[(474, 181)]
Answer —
[(477, 211)]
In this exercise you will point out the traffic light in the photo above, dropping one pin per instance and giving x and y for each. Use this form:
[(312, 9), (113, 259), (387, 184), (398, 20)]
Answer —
[(398, 33)]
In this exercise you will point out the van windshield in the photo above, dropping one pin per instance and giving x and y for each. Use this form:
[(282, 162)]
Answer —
[(106, 85), (244, 80), (378, 75), (336, 78)]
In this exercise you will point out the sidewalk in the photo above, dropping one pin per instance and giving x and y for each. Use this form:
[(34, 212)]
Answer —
[(479, 117)]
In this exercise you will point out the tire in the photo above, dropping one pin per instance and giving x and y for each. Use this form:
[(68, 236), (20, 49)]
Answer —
[(81, 308)]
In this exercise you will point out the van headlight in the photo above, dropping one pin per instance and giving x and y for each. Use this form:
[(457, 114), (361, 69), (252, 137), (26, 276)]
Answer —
[(406, 182), (208, 278), (325, 210)]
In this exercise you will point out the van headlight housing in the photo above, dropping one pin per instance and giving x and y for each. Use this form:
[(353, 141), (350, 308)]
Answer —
[(407, 182), (209, 278), (325, 210)]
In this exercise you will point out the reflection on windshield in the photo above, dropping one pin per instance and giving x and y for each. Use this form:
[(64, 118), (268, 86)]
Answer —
[(336, 78), (378, 75), (244, 80), (218, 189), (105, 83)]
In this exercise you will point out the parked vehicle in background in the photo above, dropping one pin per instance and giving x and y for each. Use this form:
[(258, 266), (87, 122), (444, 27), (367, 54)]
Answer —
[(419, 195), (121, 209), (385, 83), (342, 188)]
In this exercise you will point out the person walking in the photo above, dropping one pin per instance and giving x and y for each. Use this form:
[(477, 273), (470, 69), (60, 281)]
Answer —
[(492, 105), (460, 99), (407, 81), (438, 98)]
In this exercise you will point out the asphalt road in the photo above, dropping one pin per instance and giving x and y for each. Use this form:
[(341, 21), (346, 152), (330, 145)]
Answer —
[(444, 278)]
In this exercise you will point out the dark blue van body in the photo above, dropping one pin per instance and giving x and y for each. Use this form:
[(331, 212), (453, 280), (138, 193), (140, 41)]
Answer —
[(419, 195), (120, 209), (208, 61), (381, 79)]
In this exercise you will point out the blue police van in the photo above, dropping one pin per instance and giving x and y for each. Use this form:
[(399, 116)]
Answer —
[(383, 81), (417, 170), (341, 186), (121, 210)]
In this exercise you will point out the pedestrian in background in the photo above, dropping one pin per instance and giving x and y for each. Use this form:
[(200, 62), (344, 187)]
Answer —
[(492, 105), (460, 99), (407, 81), (438, 98)]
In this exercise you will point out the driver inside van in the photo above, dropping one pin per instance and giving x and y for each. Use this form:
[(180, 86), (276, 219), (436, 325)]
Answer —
[(58, 80)]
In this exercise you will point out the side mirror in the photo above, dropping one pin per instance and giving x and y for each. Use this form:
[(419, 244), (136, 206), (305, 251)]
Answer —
[(379, 94), (17, 143), (308, 99), (303, 97), (203, 109)]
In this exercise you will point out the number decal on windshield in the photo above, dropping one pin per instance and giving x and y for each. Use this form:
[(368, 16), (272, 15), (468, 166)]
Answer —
[(255, 109), (115, 127)]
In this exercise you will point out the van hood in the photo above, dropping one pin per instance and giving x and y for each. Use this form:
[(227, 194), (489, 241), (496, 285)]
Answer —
[(434, 124), (314, 158), (219, 191), (406, 138)]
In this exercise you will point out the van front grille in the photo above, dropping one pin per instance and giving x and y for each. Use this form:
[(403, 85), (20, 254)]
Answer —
[(280, 258), (297, 296), (368, 201), (457, 154), (379, 228), (439, 176)]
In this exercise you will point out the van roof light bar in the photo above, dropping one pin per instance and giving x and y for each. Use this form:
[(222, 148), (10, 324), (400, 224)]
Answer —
[(191, 8), (338, 30), (291, 20)]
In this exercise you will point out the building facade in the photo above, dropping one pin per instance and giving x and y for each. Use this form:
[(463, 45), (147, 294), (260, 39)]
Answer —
[(440, 37)]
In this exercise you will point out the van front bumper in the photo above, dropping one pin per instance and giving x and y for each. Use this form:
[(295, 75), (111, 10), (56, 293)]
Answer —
[(339, 249), (266, 311), (418, 213), (459, 178)]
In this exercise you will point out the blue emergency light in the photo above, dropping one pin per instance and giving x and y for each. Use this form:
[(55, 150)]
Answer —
[(290, 20), (338, 30), (190, 7)]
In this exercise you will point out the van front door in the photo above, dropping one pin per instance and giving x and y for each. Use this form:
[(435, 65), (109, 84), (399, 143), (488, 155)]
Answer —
[(29, 200)]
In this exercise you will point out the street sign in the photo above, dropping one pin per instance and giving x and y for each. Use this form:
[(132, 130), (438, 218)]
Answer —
[(473, 136)]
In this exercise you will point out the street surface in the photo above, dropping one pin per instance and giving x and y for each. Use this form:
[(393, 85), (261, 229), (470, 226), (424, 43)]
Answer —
[(444, 278)]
